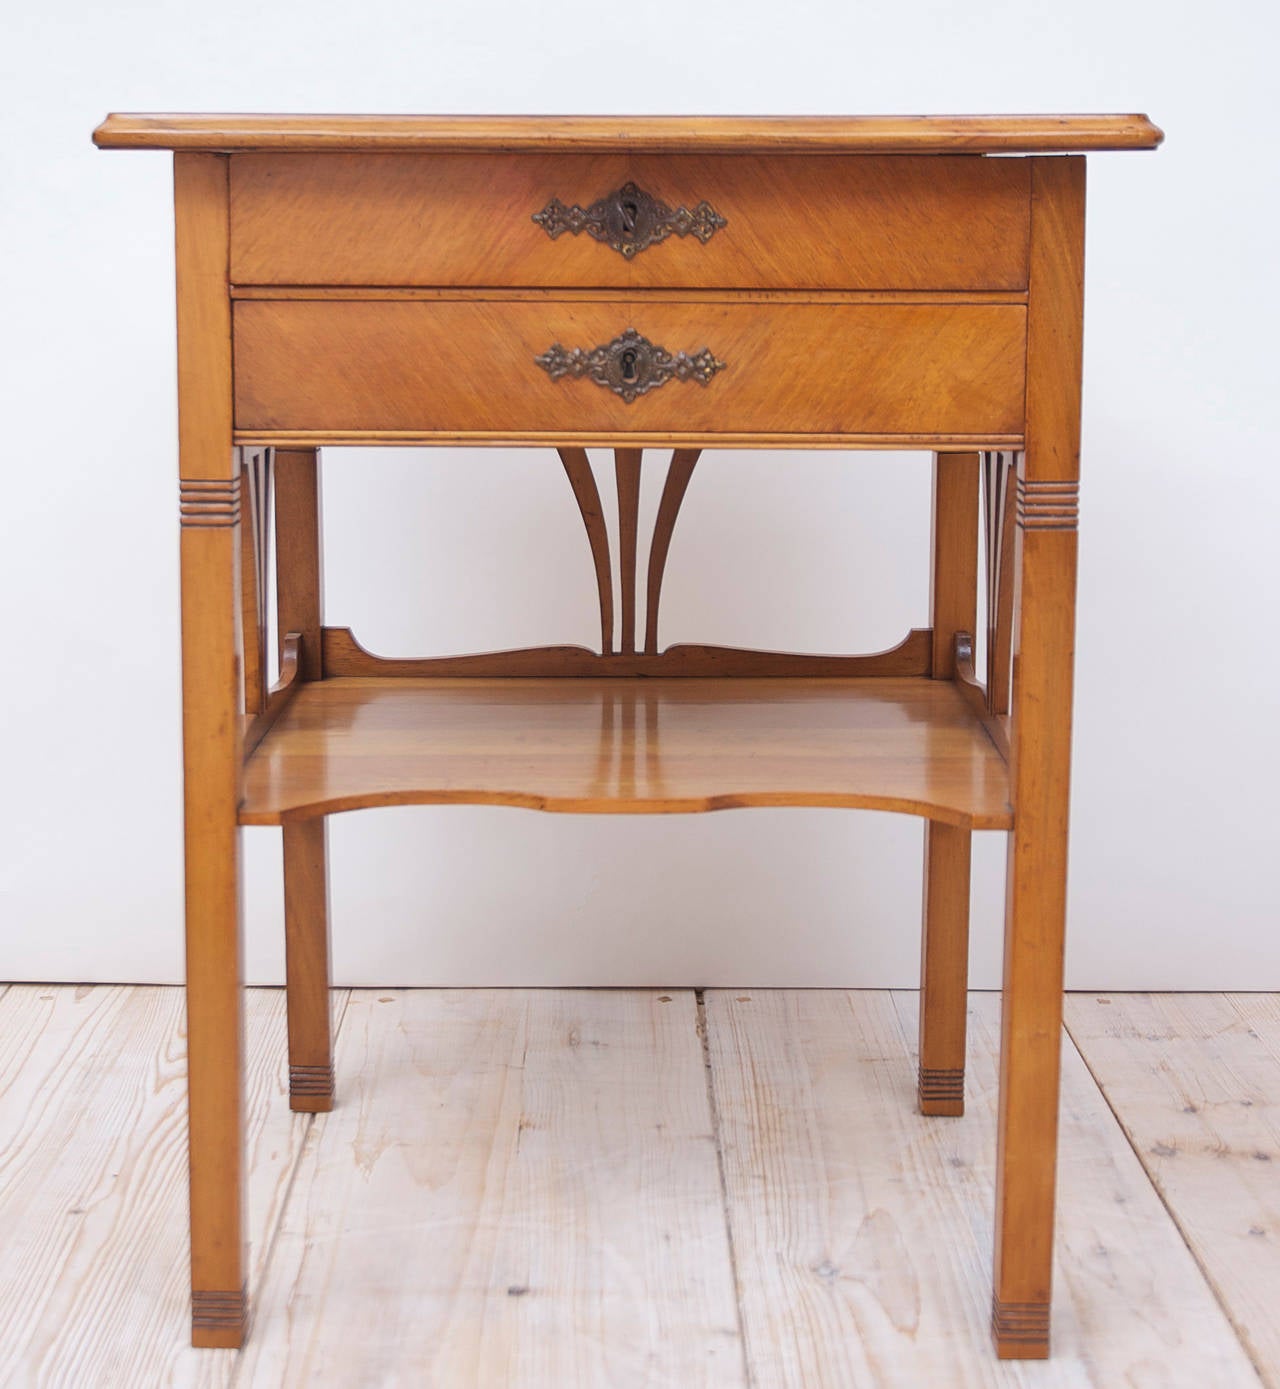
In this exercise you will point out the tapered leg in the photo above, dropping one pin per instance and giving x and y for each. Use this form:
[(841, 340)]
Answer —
[(944, 937), (1040, 766), (306, 936), (212, 700), (944, 968)]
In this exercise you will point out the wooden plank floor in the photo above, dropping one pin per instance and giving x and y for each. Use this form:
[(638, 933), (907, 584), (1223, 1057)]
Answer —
[(638, 1188)]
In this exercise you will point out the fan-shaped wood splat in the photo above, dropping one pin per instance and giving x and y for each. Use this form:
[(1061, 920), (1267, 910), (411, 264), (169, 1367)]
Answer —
[(581, 479), (999, 469), (255, 470), (679, 472), (626, 464), (342, 654)]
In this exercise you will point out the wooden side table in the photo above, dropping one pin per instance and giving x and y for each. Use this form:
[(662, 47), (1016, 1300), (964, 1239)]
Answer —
[(677, 282)]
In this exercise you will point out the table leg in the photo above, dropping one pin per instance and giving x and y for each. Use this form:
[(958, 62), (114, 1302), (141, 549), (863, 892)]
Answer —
[(1035, 911), (944, 942), (215, 1044), (944, 968), (306, 937), (212, 703), (299, 594)]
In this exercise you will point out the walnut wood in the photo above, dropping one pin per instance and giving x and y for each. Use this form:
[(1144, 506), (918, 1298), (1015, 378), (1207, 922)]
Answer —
[(343, 655), (626, 466), (299, 554), (624, 746), (441, 367), (944, 934), (798, 134), (307, 964), (944, 968), (578, 469), (679, 471), (793, 222), (212, 701), (1040, 770)]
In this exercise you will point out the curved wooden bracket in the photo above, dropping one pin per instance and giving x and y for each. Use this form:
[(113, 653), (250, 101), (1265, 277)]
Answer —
[(626, 465), (344, 656), (975, 695), (679, 472), (578, 469), (999, 472), (279, 695), (255, 488)]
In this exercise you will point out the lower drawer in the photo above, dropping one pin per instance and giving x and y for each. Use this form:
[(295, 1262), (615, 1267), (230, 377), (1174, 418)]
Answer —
[(511, 368)]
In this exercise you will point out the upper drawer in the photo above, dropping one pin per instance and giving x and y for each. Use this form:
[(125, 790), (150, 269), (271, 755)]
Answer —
[(770, 222)]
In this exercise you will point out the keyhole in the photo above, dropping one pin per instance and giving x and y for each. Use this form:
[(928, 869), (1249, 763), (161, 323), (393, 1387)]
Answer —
[(630, 212), (627, 365)]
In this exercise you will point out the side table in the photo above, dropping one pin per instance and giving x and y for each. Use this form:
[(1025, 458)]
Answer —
[(682, 283)]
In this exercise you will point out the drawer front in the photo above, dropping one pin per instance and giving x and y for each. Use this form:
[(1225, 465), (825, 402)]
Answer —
[(679, 221), (470, 367)]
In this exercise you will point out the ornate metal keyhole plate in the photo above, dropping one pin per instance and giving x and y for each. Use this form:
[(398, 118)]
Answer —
[(629, 220), (630, 365)]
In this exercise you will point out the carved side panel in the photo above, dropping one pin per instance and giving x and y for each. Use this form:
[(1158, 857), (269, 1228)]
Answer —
[(999, 470), (578, 469), (626, 463), (679, 472), (255, 475)]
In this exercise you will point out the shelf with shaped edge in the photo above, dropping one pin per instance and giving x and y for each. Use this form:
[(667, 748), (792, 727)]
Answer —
[(629, 745)]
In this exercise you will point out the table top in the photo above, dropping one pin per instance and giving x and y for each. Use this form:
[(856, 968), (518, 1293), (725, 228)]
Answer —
[(729, 134)]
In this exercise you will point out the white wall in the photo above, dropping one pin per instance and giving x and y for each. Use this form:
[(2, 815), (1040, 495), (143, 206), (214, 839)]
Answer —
[(1175, 821)]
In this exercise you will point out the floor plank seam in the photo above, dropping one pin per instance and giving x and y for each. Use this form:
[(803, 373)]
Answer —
[(700, 1000), (1258, 1369), (308, 1137), (1233, 1002)]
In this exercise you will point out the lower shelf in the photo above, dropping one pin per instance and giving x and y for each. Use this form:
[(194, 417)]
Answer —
[(629, 746)]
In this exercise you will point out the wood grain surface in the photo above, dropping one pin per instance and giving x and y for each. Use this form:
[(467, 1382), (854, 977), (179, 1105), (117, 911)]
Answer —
[(1195, 1081), (851, 1281), (519, 1189), (792, 222), (801, 134), (1040, 776), (611, 746), (93, 1288), (450, 365), (540, 1168), (212, 710), (343, 655)]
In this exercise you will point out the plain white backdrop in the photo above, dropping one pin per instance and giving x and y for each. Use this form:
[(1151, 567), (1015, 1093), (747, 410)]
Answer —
[(1175, 823)]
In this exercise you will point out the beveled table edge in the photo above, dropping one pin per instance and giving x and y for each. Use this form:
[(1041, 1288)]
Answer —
[(973, 134)]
